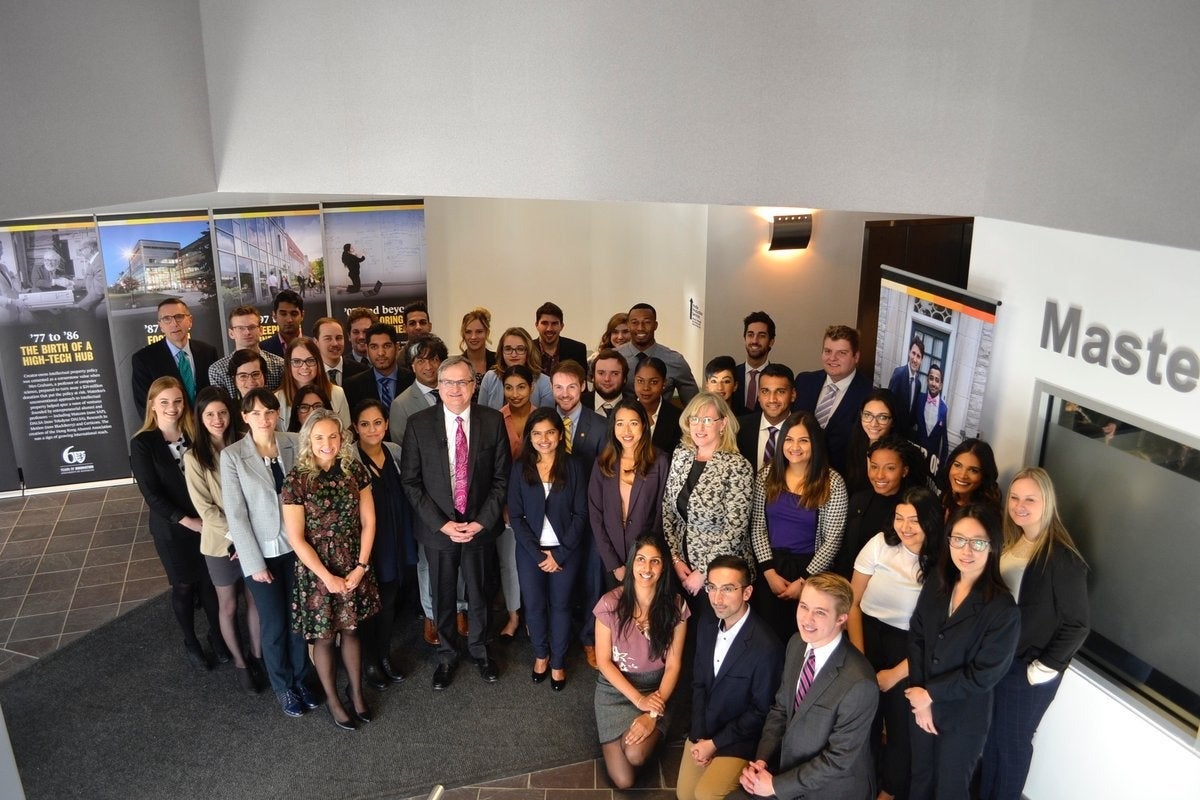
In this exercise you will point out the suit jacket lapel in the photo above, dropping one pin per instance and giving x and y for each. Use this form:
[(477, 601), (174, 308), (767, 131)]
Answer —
[(826, 677), (737, 650)]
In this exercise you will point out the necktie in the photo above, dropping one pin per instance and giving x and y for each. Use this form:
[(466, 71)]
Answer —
[(769, 450), (385, 393), (567, 428), (825, 407), (752, 390), (607, 407), (460, 468), (912, 390), (806, 677), (185, 373), (333, 377)]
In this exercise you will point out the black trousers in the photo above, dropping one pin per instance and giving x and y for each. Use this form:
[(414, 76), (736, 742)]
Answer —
[(477, 559)]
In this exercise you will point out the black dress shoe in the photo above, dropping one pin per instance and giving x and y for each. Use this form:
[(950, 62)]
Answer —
[(220, 649), (375, 679), (443, 675), (362, 717), (488, 670), (348, 724), (390, 672), (197, 657)]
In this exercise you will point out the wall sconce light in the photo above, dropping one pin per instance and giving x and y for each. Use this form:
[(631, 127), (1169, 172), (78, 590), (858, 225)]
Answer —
[(791, 232)]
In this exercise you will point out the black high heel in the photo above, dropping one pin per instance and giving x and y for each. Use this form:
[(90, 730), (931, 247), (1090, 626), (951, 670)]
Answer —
[(355, 714)]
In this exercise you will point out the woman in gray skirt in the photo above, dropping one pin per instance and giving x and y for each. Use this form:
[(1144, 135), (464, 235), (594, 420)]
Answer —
[(640, 627)]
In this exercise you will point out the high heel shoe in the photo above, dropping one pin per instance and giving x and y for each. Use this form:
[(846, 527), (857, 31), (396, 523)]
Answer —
[(558, 684), (538, 677), (347, 724), (361, 716)]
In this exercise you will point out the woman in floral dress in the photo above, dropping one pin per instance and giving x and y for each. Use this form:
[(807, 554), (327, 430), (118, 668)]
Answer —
[(329, 515)]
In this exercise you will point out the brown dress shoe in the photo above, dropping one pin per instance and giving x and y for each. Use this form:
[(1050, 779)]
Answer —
[(431, 634), (590, 653), (463, 628)]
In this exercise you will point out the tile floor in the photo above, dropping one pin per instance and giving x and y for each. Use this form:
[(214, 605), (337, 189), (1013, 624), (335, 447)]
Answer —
[(69, 562)]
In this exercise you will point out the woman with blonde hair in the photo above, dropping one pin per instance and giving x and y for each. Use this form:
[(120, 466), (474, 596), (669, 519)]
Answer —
[(516, 347), (476, 333), (706, 503), (1048, 577)]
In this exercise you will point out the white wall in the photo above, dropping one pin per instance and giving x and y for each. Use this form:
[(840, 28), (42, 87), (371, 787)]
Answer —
[(1092, 743), (592, 259)]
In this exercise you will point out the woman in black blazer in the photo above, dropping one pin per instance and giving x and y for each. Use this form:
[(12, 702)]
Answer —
[(625, 491), (649, 379), (547, 508), (1048, 576), (961, 640), (156, 456)]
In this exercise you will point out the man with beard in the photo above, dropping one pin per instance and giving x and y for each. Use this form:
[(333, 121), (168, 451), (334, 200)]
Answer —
[(609, 373), (931, 420), (758, 334)]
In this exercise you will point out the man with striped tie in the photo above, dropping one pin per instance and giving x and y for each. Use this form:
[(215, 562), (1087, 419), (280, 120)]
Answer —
[(177, 355), (835, 394), (816, 740)]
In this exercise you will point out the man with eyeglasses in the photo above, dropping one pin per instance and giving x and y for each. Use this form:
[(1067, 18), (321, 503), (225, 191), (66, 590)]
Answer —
[(245, 329), (759, 432), (930, 421), (734, 677), (176, 354), (454, 465)]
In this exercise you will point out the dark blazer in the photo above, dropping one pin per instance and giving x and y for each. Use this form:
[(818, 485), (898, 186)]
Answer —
[(614, 536), (934, 442), (959, 659), (731, 707), (350, 368), (898, 386), (568, 350), (823, 747), (666, 430), (845, 416), (161, 482), (1054, 609), (565, 507), (588, 440), (273, 344), (747, 438), (429, 486), (154, 361), (365, 386), (867, 513)]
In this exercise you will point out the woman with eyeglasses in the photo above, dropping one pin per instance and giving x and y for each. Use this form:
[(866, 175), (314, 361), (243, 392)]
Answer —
[(307, 400), (547, 507), (706, 503), (303, 367), (516, 347), (877, 419), (247, 372), (888, 575), (961, 640), (797, 515), (1046, 573)]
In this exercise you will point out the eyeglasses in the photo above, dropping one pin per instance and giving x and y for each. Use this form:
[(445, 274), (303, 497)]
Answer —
[(728, 589), (978, 545), (176, 318), (246, 328), (705, 421), (304, 408), (456, 384), (883, 418), (248, 376), (304, 362), (515, 351)]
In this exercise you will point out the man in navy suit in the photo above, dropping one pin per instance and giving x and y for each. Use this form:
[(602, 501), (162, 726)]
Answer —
[(585, 437), (735, 674), (459, 507), (906, 384), (162, 358), (835, 394), (930, 420), (760, 432)]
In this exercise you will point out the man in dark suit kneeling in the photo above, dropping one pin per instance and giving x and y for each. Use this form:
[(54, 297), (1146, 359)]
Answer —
[(736, 671), (815, 742)]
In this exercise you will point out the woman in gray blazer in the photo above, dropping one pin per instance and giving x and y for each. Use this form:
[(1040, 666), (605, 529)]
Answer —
[(252, 473)]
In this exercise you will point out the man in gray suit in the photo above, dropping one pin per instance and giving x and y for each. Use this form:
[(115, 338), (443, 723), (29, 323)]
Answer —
[(454, 466), (815, 742)]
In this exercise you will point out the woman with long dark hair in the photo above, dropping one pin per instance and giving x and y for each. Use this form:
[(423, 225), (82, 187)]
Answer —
[(303, 367), (969, 476), (1048, 576), (626, 489), (961, 640), (201, 468), (878, 417), (888, 575), (307, 400), (156, 454), (640, 631), (547, 507)]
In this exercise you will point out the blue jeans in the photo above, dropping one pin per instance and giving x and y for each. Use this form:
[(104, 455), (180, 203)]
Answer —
[(284, 652)]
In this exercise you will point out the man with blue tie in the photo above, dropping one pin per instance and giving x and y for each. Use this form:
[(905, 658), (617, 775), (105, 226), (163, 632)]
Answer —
[(385, 381), (177, 355), (816, 740)]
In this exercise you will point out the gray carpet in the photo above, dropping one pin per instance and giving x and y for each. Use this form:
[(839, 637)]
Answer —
[(119, 714)]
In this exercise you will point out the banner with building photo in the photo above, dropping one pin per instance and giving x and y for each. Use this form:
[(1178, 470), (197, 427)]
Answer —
[(375, 257), (262, 251), (934, 351), (149, 258), (56, 363)]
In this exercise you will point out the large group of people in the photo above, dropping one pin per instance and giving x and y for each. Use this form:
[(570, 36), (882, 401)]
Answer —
[(848, 624)]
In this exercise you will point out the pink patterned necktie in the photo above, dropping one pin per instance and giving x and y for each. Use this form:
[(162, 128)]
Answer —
[(806, 678), (460, 469)]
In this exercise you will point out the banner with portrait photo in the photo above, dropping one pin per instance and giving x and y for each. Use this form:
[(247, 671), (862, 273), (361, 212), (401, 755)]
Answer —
[(933, 351), (149, 258), (375, 257), (263, 251), (56, 363)]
